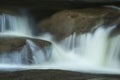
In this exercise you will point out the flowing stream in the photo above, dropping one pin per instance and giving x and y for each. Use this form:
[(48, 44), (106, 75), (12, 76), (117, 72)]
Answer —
[(89, 52)]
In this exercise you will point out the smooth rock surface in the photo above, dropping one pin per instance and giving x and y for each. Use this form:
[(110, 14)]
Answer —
[(66, 22)]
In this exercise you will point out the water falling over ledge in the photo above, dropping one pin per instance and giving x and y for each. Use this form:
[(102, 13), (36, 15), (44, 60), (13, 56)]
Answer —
[(80, 57), (95, 52), (15, 24)]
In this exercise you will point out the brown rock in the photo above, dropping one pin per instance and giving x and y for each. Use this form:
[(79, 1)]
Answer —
[(66, 22), (8, 44)]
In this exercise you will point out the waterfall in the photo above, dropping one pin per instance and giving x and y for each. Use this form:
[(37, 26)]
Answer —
[(30, 53), (92, 46), (91, 51), (14, 24), (114, 52)]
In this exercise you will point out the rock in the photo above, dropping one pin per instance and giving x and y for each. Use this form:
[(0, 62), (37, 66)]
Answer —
[(50, 3), (66, 22), (8, 44), (55, 75), (24, 48), (10, 11), (102, 1)]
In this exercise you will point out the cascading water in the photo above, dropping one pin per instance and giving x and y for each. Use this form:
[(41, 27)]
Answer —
[(87, 52), (92, 51), (14, 24), (27, 55), (19, 26)]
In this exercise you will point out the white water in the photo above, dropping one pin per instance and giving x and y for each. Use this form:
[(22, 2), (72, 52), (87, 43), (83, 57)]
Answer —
[(89, 52), (29, 54), (14, 24)]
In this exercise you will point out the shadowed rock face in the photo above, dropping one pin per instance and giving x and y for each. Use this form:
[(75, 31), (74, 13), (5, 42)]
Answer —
[(66, 22), (54, 75), (8, 44), (34, 2), (100, 0)]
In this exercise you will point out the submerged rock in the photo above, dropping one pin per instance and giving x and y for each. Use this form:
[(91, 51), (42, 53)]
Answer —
[(66, 22)]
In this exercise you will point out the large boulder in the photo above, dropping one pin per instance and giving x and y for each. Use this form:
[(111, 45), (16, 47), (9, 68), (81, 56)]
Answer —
[(66, 22)]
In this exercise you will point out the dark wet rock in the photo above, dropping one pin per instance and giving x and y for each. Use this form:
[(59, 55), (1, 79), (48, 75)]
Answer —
[(10, 11), (100, 0), (9, 43), (53, 3), (54, 75), (66, 22)]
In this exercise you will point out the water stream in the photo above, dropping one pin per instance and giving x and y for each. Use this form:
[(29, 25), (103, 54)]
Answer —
[(89, 52)]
